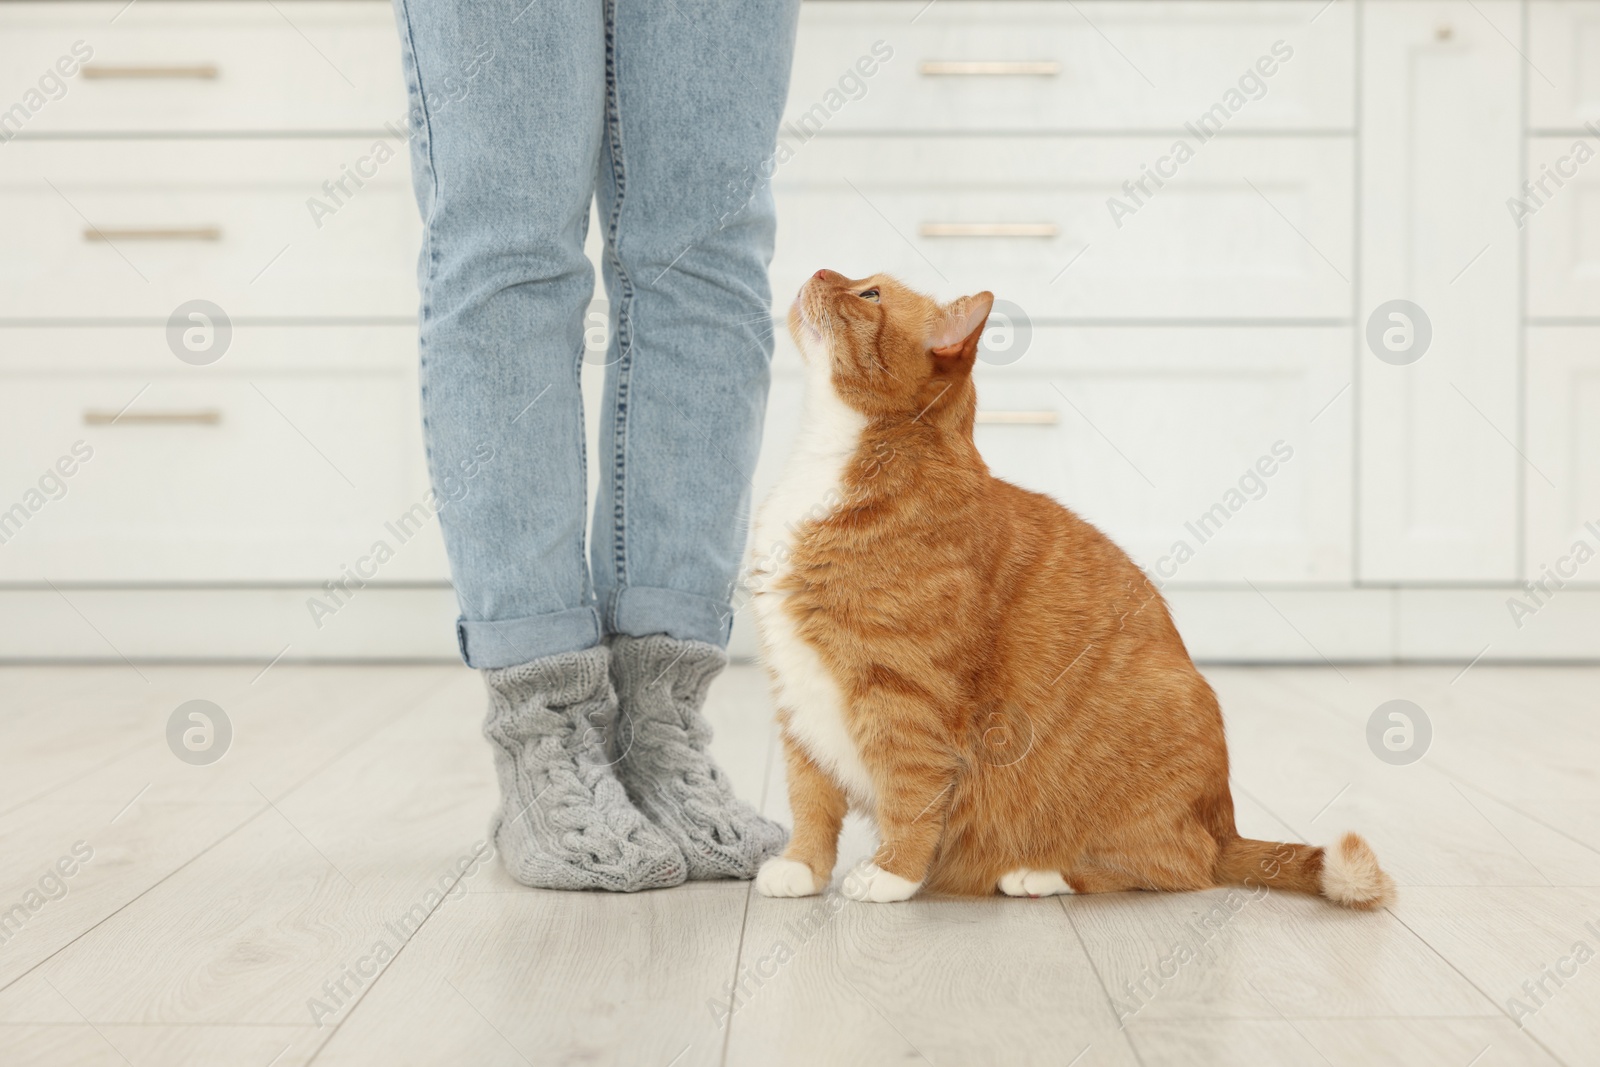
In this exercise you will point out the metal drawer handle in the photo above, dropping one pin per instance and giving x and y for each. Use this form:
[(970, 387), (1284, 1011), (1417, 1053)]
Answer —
[(154, 233), (1019, 418), (1024, 68), (988, 229), (197, 417), (196, 72)]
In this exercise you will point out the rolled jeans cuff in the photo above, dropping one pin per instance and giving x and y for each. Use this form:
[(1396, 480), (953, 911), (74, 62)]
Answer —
[(639, 611), (508, 642)]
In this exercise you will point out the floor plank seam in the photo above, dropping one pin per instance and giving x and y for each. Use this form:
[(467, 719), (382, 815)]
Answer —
[(773, 739), (1456, 780), (37, 797), (1105, 991), (225, 836), (1445, 960), (1482, 992), (132, 900), (1233, 783), (348, 1012), (1509, 843), (1448, 773), (738, 961)]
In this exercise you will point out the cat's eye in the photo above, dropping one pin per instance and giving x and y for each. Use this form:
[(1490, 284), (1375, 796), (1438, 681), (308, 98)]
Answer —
[(870, 294)]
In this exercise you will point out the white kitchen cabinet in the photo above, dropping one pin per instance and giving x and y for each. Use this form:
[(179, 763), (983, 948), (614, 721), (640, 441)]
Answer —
[(962, 145), (1441, 139)]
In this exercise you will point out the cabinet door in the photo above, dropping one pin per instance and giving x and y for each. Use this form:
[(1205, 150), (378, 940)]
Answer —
[(1563, 412), (1558, 215), (1439, 464), (1564, 48)]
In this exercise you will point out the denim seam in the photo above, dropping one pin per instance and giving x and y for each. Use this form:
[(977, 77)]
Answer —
[(624, 340), (578, 543), (429, 252)]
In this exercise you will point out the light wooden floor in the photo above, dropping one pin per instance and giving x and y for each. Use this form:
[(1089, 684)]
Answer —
[(221, 900)]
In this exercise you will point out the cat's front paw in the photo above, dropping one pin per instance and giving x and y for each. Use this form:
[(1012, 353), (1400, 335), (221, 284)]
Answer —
[(781, 876), (872, 883), (1027, 882)]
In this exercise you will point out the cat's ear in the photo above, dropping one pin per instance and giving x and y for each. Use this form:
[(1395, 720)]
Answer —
[(958, 328)]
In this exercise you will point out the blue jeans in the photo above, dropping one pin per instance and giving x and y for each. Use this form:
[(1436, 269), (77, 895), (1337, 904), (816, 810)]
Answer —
[(667, 112)]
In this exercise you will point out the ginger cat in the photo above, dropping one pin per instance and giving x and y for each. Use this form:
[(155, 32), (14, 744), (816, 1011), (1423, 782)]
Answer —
[(970, 663)]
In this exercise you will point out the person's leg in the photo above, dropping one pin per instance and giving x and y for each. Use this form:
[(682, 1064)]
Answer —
[(695, 93), (507, 120)]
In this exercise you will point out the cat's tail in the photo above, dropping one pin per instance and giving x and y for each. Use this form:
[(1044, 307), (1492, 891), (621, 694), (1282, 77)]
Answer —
[(1347, 873)]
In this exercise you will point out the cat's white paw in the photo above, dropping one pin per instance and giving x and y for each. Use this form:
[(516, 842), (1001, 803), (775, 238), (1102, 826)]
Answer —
[(872, 883), (784, 877), (1026, 882)]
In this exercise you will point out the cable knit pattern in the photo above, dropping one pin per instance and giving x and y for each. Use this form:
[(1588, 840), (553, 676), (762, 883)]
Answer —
[(565, 820), (660, 747)]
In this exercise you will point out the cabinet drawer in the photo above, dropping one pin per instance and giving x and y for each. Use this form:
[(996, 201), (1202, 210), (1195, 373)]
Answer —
[(1152, 434), (99, 229), (183, 67), (1247, 227), (1128, 64), (202, 477), (1564, 48)]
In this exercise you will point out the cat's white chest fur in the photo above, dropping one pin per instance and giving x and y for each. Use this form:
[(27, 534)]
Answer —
[(811, 487)]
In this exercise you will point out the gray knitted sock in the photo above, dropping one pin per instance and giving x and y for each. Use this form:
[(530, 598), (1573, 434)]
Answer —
[(660, 745), (565, 821)]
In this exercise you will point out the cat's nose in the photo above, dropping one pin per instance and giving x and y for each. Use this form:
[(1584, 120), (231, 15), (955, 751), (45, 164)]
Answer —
[(826, 275), (823, 274)]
